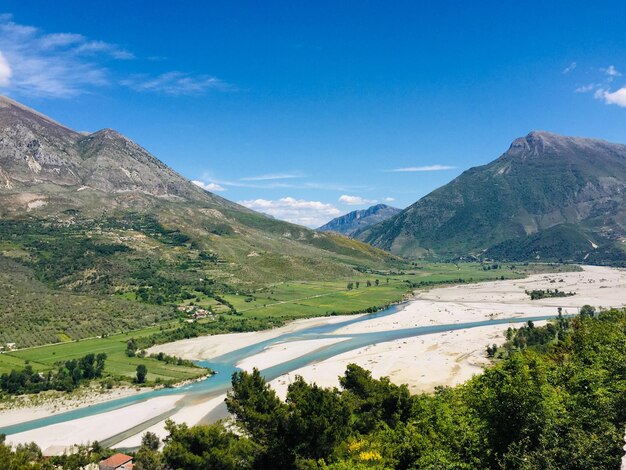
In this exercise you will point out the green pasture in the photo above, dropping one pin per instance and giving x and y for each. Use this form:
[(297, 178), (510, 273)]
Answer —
[(118, 365)]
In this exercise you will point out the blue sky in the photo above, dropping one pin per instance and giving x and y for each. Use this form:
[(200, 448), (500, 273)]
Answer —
[(307, 110)]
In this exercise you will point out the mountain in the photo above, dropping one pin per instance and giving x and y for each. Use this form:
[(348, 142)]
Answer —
[(40, 155), (547, 197), (357, 220), (111, 197)]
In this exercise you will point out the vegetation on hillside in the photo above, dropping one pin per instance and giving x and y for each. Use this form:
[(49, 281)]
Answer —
[(85, 279), (563, 243)]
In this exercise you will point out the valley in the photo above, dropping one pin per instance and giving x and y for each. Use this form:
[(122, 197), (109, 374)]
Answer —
[(135, 297), (438, 338)]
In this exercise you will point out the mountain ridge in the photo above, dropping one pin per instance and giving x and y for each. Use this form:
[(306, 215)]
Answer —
[(105, 186), (350, 223), (543, 180)]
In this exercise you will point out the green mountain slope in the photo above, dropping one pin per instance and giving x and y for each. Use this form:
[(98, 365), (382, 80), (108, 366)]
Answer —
[(103, 185), (543, 181), (97, 216)]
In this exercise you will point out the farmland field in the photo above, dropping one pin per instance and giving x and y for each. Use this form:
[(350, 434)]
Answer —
[(118, 364)]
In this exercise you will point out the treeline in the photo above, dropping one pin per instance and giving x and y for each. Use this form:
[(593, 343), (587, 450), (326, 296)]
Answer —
[(132, 351), (368, 283), (439, 282), (68, 376), (537, 294), (195, 329), (529, 336)]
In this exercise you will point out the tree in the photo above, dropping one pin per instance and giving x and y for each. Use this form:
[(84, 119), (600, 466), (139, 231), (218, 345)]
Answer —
[(262, 416), (350, 286), (148, 457), (318, 420), (151, 441), (142, 372), (207, 447), (375, 401), (587, 311), (131, 347), (377, 282), (516, 403), (357, 284), (87, 366), (100, 360)]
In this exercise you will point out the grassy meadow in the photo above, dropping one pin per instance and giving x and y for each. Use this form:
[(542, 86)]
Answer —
[(118, 364)]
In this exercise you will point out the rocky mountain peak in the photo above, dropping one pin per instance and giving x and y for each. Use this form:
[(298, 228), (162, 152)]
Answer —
[(536, 143), (36, 151), (543, 143)]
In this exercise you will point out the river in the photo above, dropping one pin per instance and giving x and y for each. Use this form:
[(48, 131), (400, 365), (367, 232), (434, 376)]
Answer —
[(225, 366)]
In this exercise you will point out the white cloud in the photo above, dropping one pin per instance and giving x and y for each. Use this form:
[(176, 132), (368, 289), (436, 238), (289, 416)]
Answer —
[(55, 40), (389, 199), (95, 47), (611, 72), (587, 88), (602, 89), (355, 200), (176, 83), (569, 68), (617, 97), (53, 65), (5, 71), (297, 211), (273, 176), (273, 181), (213, 187), (423, 168), (63, 65)]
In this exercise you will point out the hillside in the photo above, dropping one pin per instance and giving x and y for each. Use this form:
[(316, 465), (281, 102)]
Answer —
[(96, 215), (547, 197), (350, 223)]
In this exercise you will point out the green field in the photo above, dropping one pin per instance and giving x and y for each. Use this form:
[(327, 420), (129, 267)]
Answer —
[(304, 299), (118, 364)]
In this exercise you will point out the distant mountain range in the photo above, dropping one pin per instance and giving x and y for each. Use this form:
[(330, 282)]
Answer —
[(548, 197), (360, 219)]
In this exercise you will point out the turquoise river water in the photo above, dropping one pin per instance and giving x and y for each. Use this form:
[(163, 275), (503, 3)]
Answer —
[(225, 366)]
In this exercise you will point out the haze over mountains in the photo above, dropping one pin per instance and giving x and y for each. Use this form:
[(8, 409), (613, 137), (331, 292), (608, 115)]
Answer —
[(547, 197), (360, 219)]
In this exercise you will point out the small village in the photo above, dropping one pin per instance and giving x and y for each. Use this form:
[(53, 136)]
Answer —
[(196, 313)]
